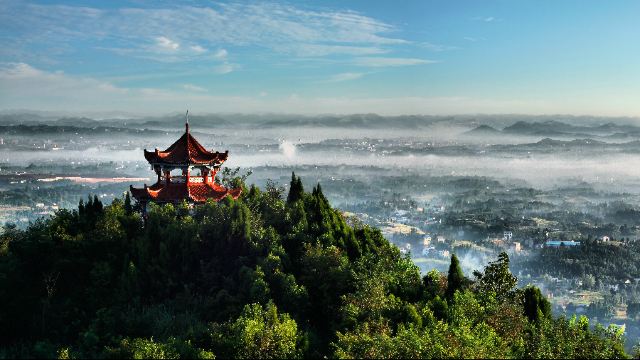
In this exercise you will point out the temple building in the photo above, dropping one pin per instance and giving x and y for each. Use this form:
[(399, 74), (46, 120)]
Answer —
[(184, 156)]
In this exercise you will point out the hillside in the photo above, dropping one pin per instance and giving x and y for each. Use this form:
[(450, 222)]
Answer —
[(271, 275)]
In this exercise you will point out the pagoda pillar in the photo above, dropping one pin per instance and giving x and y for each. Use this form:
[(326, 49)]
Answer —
[(185, 173), (204, 172), (167, 176)]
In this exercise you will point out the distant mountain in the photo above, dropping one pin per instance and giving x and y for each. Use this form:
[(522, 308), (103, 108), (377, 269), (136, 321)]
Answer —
[(34, 129), (26, 118), (557, 128), (177, 122), (539, 128), (485, 130), (79, 122), (576, 142), (358, 121)]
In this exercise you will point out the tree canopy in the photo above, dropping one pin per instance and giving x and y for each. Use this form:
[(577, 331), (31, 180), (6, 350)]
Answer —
[(260, 276)]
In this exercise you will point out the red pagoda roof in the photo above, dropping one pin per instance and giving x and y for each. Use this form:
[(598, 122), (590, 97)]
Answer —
[(186, 150), (196, 192)]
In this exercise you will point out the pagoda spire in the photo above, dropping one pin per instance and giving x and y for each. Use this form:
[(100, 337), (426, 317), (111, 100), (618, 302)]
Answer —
[(186, 124)]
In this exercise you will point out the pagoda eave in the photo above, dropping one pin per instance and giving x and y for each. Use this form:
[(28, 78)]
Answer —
[(162, 158), (177, 192)]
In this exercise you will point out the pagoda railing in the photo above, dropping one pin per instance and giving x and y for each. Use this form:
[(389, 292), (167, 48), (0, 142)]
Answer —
[(179, 179)]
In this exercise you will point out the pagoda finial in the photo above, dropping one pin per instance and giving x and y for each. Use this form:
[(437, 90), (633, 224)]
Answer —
[(186, 125)]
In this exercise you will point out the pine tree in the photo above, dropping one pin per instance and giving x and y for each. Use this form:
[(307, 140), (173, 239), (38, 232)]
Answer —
[(536, 306), (89, 206), (455, 278), (97, 204), (296, 189), (127, 204), (81, 208)]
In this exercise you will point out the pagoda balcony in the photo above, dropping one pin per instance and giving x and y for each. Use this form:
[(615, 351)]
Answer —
[(179, 179)]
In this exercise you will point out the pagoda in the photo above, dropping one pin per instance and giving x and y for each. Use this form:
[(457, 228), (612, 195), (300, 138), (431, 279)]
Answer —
[(185, 155)]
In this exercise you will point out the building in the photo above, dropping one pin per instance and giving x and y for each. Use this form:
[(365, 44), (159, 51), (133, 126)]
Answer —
[(183, 157), (427, 249), (558, 243), (507, 235)]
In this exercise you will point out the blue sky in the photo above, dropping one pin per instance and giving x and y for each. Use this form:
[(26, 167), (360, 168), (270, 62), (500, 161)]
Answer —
[(391, 57)]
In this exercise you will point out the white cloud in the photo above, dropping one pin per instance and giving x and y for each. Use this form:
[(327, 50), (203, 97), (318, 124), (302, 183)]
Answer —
[(345, 77), (390, 61), (436, 47), (288, 149), (18, 71), (221, 54), (224, 68), (167, 44), (198, 49), (24, 87), (193, 88), (278, 27), (319, 50)]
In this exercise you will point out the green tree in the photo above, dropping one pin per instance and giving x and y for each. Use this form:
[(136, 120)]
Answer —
[(536, 306), (455, 277), (296, 190), (497, 280), (260, 332)]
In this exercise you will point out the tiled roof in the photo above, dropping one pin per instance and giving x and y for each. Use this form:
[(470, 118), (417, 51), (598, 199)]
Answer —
[(186, 150), (174, 192)]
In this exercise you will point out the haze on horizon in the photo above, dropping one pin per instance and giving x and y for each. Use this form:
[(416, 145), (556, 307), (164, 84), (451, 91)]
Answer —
[(421, 57)]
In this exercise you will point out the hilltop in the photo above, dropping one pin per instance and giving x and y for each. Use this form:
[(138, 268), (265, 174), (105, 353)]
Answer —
[(267, 275)]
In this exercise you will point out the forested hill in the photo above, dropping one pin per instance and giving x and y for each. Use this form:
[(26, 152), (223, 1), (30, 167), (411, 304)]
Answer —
[(270, 275)]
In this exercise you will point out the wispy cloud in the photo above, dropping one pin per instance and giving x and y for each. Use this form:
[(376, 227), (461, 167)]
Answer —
[(221, 54), (487, 19), (320, 50), (166, 44), (189, 30), (436, 47), (193, 88), (198, 49), (344, 77), (224, 68), (390, 61), (24, 86)]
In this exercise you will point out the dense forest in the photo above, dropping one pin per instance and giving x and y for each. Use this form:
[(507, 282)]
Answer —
[(270, 275)]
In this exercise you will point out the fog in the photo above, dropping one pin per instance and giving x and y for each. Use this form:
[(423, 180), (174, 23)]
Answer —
[(464, 179)]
